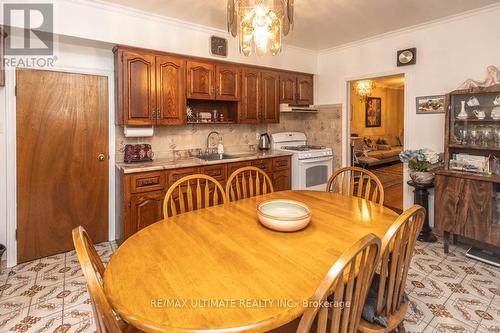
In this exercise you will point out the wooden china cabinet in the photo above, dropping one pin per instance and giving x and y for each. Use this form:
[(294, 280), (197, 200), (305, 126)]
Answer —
[(468, 201)]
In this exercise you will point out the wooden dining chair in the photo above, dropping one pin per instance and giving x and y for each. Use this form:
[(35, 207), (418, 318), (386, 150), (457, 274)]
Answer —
[(248, 182), (106, 320), (398, 245), (337, 303), (191, 193), (357, 182)]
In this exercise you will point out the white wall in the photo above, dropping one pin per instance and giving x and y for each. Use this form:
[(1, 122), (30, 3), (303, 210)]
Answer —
[(448, 52)]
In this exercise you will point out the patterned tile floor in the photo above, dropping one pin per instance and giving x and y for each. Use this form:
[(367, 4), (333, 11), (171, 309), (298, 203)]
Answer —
[(448, 293)]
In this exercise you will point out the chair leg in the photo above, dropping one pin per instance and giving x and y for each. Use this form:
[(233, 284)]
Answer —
[(401, 328)]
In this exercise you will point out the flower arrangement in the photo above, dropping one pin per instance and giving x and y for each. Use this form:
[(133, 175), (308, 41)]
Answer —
[(421, 162)]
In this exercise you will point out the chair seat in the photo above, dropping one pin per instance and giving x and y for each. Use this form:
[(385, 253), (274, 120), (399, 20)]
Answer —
[(392, 323)]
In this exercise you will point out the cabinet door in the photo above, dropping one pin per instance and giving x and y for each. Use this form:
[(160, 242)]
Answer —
[(145, 209), (448, 192), (282, 180), (305, 90), (137, 89), (227, 80), (250, 97), (270, 97), (200, 80), (288, 88), (477, 218), (170, 87)]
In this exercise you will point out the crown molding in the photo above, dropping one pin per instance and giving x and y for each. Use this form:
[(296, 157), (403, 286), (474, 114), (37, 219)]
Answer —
[(413, 28), (116, 8)]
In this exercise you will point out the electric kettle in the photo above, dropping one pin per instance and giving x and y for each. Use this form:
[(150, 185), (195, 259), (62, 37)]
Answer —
[(264, 142)]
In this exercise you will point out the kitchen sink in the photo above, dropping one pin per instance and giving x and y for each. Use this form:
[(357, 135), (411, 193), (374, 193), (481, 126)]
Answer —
[(218, 157)]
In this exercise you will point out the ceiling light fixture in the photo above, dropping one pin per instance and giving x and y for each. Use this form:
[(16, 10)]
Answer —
[(261, 24), (364, 89)]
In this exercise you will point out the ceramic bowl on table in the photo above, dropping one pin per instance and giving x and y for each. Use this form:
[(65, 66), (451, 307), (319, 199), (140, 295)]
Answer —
[(284, 215)]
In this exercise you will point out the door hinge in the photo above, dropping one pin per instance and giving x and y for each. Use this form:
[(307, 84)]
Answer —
[(15, 90), (16, 234), (129, 204)]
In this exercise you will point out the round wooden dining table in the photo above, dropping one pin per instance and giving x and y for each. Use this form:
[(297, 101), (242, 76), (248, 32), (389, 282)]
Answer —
[(218, 269)]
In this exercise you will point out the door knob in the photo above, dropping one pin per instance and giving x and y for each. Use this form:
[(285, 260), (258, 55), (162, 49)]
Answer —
[(100, 157)]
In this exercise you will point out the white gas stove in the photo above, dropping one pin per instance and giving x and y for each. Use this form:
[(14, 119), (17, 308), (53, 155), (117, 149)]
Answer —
[(311, 165)]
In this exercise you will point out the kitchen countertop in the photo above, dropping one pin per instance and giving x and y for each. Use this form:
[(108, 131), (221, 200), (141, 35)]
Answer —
[(166, 164)]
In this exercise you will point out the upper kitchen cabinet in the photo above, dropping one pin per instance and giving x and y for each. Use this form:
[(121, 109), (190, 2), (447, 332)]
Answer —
[(305, 94), (296, 89), (150, 89), (270, 100), (170, 90), (250, 96), (227, 79), (135, 87), (200, 80), (209, 81)]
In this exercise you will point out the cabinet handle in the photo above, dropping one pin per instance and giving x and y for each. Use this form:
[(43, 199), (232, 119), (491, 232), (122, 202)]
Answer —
[(157, 113), (153, 113)]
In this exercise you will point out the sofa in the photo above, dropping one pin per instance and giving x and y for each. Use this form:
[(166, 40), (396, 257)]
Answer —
[(375, 151)]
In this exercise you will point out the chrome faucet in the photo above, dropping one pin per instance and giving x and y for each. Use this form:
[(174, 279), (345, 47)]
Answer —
[(208, 140)]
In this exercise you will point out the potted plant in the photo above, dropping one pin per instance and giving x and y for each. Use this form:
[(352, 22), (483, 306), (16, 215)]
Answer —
[(421, 162)]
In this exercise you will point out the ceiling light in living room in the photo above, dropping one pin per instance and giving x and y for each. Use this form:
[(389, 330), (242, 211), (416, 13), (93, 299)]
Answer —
[(261, 23), (364, 89)]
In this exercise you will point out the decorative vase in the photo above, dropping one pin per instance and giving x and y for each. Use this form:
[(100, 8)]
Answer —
[(463, 114), (422, 177)]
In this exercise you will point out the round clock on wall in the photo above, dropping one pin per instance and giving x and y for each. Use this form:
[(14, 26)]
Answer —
[(407, 57)]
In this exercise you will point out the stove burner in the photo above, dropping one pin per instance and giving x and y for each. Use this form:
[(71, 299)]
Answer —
[(303, 147)]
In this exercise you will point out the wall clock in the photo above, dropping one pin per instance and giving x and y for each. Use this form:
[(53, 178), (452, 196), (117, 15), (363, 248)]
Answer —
[(218, 46), (407, 57)]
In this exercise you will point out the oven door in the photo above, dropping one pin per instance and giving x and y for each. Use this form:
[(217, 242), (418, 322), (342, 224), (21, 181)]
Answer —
[(314, 173)]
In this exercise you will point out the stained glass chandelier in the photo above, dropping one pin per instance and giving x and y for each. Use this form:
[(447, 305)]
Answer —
[(261, 24)]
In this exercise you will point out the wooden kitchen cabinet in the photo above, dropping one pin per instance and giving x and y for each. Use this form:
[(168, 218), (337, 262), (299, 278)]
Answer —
[(150, 89), (282, 180), (170, 90), (200, 80), (305, 95), (227, 81), (250, 96), (296, 89), (135, 87), (270, 104), (145, 209), (140, 195)]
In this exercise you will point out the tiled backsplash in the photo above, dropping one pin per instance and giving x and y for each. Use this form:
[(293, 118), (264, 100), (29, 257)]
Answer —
[(322, 128)]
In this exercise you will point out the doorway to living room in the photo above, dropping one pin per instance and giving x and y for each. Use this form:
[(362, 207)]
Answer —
[(377, 131)]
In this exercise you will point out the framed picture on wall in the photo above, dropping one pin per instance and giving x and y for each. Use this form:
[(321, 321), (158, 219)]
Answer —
[(373, 111), (430, 104)]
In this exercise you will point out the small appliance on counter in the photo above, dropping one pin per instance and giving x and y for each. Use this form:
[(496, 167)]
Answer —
[(264, 142), (138, 153)]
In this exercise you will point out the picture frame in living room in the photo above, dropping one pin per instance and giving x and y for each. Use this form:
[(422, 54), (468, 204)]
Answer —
[(373, 112), (430, 104)]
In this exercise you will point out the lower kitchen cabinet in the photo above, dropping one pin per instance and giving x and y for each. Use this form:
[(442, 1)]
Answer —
[(141, 194), (144, 209), (282, 180)]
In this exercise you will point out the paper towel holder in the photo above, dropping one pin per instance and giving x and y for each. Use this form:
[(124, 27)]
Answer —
[(138, 131)]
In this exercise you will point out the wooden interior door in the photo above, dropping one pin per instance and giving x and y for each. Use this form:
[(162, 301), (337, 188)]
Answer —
[(305, 90), (270, 97), (250, 96), (139, 89), (228, 82), (200, 80), (288, 85), (62, 160), (170, 88)]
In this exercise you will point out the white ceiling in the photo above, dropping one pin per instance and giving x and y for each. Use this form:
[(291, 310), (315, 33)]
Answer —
[(321, 24)]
